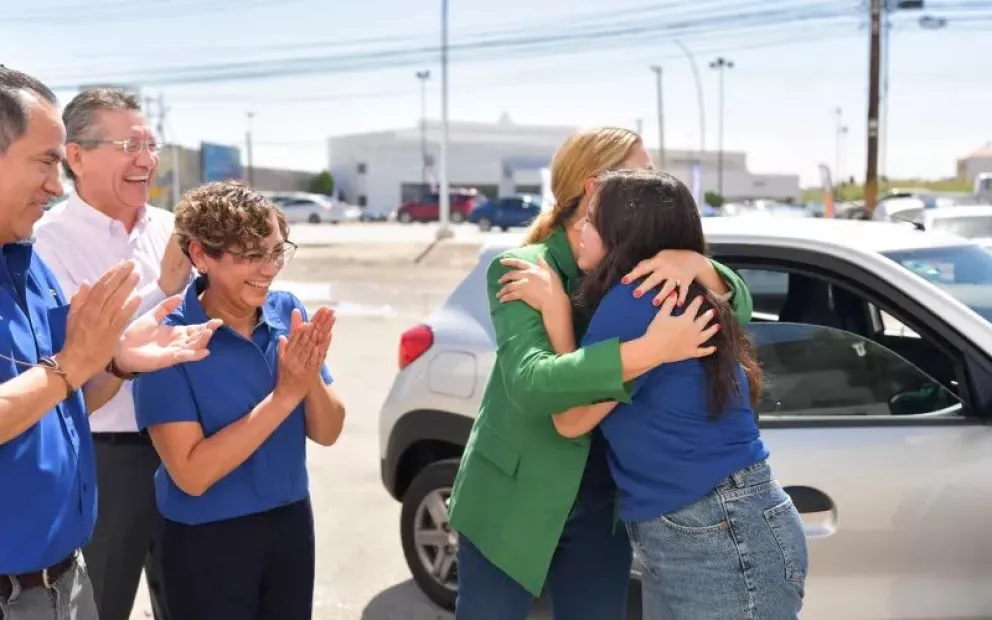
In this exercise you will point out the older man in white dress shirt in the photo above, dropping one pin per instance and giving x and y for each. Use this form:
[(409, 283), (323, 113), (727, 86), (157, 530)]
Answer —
[(111, 155)]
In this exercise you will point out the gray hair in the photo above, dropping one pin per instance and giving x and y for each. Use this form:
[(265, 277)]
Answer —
[(16, 89), (80, 115)]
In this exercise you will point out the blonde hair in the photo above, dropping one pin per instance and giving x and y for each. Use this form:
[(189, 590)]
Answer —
[(586, 153)]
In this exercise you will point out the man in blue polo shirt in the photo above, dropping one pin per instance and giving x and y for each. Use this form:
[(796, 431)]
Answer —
[(52, 357)]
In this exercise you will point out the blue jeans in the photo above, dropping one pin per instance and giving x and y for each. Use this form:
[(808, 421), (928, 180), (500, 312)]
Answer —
[(738, 553), (69, 598), (588, 578)]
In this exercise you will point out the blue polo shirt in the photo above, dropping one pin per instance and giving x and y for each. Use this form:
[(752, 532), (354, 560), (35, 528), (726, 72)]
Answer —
[(217, 391), (664, 450), (47, 473)]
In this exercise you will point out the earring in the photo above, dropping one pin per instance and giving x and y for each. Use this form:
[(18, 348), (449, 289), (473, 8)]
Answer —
[(202, 270)]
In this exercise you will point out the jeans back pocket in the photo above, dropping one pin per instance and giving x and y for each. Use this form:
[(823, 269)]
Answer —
[(790, 535)]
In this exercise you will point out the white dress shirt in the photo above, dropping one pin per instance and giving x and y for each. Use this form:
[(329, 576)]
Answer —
[(79, 243)]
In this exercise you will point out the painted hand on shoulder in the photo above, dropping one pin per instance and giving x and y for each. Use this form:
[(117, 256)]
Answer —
[(674, 270), (539, 286)]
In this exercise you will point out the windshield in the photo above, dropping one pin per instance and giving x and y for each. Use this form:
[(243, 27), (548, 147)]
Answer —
[(964, 271), (969, 226)]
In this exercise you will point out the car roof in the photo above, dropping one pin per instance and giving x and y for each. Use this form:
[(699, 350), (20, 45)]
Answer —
[(959, 211), (857, 236)]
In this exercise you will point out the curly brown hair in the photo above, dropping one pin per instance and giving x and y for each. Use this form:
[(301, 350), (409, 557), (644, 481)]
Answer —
[(226, 216)]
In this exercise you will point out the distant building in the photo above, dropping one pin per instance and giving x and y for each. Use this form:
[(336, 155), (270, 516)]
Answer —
[(382, 169), (220, 162), (975, 163)]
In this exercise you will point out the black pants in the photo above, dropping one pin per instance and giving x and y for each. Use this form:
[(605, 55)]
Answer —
[(127, 519), (258, 567)]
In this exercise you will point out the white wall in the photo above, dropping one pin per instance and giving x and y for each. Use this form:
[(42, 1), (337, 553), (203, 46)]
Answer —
[(475, 156)]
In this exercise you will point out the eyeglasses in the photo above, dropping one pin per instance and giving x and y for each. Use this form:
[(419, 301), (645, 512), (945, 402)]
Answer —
[(130, 146), (279, 256)]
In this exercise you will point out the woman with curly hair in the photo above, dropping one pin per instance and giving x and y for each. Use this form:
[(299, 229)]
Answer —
[(231, 430)]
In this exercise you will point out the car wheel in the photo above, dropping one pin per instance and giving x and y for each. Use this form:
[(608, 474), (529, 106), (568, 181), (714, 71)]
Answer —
[(405, 218), (314, 218), (456, 217), (485, 224), (429, 544)]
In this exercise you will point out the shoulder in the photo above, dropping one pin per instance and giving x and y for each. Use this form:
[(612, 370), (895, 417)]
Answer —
[(51, 228), (529, 253), (620, 314), (160, 216), (283, 303)]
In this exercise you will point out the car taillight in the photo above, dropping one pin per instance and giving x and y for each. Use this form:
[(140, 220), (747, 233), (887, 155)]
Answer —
[(415, 342)]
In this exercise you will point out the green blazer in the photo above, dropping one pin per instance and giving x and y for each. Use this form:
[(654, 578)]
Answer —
[(518, 477)]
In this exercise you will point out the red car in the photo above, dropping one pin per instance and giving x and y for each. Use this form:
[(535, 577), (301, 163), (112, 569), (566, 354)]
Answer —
[(427, 208)]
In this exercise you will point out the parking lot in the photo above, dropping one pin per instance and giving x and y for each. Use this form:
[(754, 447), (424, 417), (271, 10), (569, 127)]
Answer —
[(361, 573)]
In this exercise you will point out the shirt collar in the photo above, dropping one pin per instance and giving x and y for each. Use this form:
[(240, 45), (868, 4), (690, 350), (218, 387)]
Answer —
[(193, 313), (561, 254), (83, 210)]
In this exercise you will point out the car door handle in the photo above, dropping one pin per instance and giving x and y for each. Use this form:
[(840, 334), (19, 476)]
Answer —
[(818, 511), (809, 500)]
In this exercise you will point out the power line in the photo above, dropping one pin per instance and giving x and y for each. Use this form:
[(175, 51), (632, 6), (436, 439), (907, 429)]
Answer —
[(558, 42)]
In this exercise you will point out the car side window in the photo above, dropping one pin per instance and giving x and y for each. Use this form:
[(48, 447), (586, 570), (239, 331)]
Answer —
[(813, 370)]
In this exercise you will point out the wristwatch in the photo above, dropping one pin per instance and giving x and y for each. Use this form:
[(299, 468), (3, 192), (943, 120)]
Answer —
[(115, 370)]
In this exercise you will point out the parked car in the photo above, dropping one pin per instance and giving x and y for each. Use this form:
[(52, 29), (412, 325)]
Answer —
[(299, 207), (970, 222), (428, 208), (876, 342), (506, 212)]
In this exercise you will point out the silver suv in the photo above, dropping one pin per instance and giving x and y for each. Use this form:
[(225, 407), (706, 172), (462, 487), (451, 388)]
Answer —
[(877, 348)]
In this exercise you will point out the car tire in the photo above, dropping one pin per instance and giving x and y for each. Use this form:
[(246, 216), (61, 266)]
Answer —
[(433, 483), (314, 218), (456, 217), (405, 218), (485, 224)]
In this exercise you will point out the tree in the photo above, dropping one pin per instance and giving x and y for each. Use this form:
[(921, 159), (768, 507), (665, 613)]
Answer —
[(322, 183), (713, 199)]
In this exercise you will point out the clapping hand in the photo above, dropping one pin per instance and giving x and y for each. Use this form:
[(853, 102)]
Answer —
[(148, 345), (302, 354)]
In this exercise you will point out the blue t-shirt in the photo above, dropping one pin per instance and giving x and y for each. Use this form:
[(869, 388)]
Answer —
[(664, 450), (217, 391)]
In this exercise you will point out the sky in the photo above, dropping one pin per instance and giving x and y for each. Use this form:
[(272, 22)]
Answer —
[(308, 69)]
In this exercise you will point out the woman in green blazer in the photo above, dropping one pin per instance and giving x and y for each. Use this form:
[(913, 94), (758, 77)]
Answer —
[(531, 506)]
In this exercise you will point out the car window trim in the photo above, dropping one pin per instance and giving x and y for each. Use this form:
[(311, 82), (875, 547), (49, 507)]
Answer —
[(879, 292)]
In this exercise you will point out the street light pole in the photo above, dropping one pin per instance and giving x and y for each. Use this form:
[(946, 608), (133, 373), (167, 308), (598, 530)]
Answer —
[(699, 97), (423, 76), (444, 191), (874, 67), (661, 117), (721, 64), (840, 130)]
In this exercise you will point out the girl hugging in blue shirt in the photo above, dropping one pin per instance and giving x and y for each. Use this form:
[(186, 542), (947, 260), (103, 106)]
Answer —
[(718, 536)]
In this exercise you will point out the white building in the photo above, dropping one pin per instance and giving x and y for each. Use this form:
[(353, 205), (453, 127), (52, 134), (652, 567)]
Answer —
[(975, 163), (382, 169)]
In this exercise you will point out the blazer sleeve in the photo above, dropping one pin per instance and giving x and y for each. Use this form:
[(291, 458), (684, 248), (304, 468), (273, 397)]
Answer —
[(537, 380), (740, 297)]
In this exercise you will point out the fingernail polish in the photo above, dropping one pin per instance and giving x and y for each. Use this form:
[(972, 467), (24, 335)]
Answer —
[(637, 293), (655, 302), (625, 280)]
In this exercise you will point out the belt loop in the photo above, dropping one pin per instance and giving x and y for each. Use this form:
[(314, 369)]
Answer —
[(738, 478)]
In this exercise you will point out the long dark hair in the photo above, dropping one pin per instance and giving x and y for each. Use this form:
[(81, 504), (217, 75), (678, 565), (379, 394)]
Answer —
[(638, 214)]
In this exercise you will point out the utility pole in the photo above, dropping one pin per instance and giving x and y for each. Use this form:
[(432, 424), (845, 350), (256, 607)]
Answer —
[(661, 117), (874, 77), (176, 192), (423, 76), (840, 130), (248, 145), (721, 64), (883, 126)]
